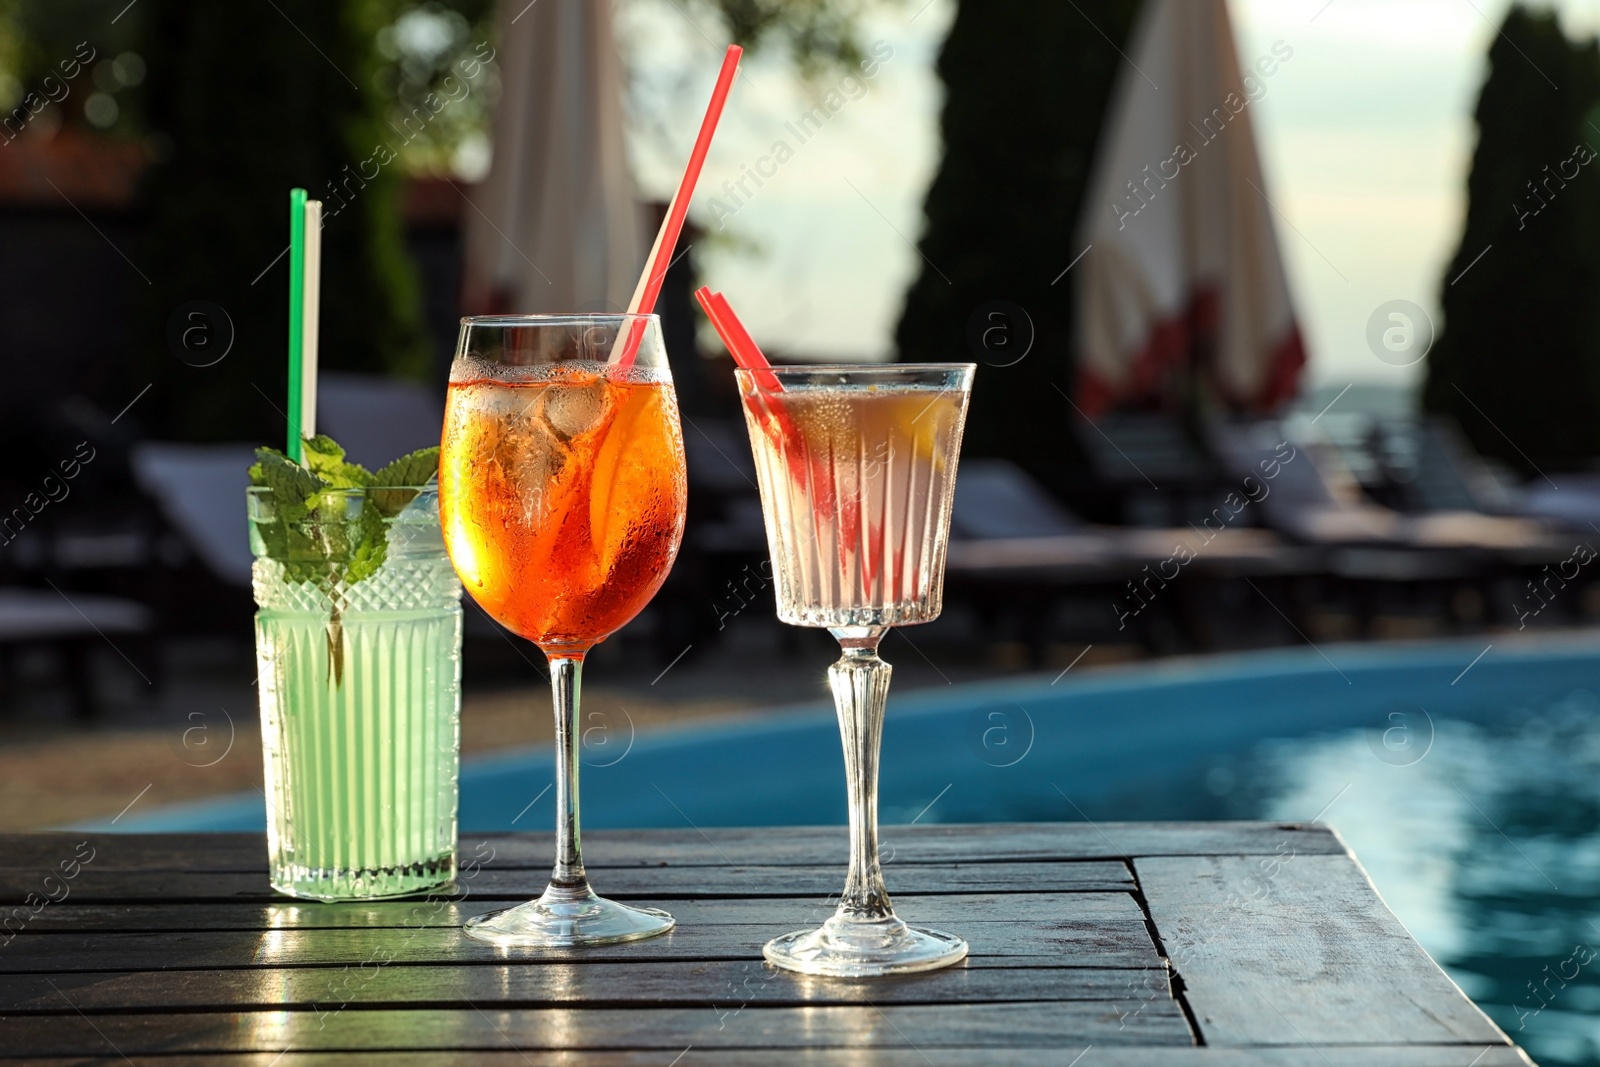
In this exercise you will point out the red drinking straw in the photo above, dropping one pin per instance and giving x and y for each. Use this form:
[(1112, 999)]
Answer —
[(649, 288), (814, 468), (745, 352), (741, 346)]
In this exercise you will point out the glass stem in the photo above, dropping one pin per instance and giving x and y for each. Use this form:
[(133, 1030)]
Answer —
[(860, 683), (566, 676)]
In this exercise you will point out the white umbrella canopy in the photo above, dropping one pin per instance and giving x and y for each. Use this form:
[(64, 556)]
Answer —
[(555, 225), (1183, 287)]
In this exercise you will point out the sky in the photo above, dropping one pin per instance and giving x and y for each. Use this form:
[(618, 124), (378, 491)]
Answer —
[(1366, 139)]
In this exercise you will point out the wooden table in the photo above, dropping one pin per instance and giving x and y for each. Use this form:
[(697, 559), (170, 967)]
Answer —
[(1174, 944)]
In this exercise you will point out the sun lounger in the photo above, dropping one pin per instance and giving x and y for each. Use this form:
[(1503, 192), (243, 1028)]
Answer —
[(1150, 466), (1313, 502), (1012, 543), (1002, 514), (378, 419), (73, 624), (199, 489)]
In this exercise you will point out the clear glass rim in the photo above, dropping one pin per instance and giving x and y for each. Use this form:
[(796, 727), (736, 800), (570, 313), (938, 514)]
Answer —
[(563, 319), (885, 368), (933, 377), (351, 492), (518, 349)]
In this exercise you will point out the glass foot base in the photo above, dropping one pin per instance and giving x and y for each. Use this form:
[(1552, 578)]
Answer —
[(845, 948), (367, 883), (565, 917)]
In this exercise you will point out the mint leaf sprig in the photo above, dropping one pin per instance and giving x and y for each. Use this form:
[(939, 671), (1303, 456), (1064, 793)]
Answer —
[(312, 534)]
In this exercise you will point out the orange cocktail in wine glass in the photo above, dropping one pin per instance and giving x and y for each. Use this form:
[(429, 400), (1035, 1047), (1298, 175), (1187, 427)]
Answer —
[(562, 496)]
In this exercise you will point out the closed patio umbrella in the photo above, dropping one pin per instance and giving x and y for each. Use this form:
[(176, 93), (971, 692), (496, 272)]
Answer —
[(555, 224), (1182, 296)]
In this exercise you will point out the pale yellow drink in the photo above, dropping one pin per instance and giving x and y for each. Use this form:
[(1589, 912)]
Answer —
[(856, 484)]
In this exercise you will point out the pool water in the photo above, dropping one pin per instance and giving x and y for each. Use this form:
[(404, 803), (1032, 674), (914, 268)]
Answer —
[(1488, 849), (1465, 776)]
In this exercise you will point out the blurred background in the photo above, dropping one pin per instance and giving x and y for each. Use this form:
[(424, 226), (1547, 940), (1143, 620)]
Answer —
[(1289, 378)]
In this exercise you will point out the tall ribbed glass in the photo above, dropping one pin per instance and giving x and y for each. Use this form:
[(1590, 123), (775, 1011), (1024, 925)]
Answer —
[(360, 706)]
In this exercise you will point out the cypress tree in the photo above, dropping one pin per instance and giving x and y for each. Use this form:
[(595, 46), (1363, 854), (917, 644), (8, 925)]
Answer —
[(1027, 83), (1518, 362), (246, 100)]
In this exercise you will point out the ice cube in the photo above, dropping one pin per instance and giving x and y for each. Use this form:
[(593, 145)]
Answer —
[(531, 457), (572, 408), (491, 411), (519, 453)]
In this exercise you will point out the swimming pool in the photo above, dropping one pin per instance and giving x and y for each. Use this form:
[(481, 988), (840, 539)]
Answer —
[(1464, 774)]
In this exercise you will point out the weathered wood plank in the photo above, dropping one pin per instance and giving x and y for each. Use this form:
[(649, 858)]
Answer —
[(1067, 942), (1324, 1056), (670, 1030), (768, 846), (963, 907), (237, 969), (1299, 950), (722, 987), (100, 885)]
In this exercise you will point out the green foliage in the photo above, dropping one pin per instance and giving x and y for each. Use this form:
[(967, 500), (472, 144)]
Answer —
[(326, 460), (246, 100), (11, 42), (238, 102), (294, 488), (414, 469), (1518, 362), (820, 34), (37, 36), (424, 47), (420, 46), (312, 531), (1027, 83)]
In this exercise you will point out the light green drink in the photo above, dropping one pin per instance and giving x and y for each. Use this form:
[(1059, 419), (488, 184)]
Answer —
[(358, 652)]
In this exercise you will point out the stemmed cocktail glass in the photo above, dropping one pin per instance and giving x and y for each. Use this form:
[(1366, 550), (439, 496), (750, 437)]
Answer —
[(857, 469), (562, 495)]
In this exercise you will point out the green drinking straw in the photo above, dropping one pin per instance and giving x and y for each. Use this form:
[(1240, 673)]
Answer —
[(297, 300)]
